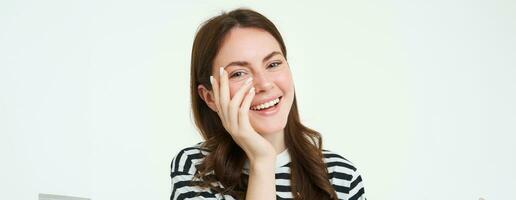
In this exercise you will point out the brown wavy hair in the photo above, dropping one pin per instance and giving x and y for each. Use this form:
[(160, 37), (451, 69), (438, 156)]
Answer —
[(309, 176)]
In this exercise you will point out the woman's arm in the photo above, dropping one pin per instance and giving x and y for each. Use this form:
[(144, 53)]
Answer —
[(261, 180)]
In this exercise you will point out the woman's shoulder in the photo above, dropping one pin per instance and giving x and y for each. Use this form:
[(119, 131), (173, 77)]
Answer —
[(182, 173), (187, 158), (344, 176), (332, 159)]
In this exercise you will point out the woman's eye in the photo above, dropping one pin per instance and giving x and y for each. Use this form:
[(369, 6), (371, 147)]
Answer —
[(237, 74), (274, 64)]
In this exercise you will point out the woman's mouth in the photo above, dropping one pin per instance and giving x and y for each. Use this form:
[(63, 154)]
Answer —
[(267, 107)]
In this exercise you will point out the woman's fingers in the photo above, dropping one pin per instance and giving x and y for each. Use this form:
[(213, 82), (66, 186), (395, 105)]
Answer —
[(243, 115), (216, 98), (236, 101), (224, 91), (233, 111)]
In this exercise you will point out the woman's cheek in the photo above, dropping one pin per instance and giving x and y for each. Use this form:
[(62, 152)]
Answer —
[(284, 78), (233, 88)]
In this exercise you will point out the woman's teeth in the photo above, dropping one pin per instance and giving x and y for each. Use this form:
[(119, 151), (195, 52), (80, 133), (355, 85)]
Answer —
[(265, 105)]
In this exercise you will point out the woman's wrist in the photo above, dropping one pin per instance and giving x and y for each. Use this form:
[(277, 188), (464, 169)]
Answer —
[(262, 165)]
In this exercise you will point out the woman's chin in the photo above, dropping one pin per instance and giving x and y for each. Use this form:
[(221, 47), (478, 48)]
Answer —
[(268, 129)]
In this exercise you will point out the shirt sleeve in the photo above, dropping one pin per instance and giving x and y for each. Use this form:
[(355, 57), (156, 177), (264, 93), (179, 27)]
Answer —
[(356, 187)]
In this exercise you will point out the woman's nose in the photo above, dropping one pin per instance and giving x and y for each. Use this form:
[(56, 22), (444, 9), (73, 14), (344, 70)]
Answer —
[(262, 83)]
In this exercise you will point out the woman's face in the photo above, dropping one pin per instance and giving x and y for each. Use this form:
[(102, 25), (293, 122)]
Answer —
[(252, 52)]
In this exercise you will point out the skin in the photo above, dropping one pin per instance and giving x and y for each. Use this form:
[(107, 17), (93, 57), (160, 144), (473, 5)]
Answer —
[(258, 72)]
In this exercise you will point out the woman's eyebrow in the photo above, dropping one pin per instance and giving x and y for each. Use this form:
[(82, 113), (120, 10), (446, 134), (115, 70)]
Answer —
[(270, 55), (244, 63)]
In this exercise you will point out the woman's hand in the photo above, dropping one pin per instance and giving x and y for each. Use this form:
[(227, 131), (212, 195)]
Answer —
[(234, 114)]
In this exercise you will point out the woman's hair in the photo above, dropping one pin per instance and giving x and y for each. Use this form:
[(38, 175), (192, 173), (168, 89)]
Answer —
[(309, 176)]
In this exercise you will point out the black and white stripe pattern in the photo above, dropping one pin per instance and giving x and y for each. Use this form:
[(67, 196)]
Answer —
[(343, 176)]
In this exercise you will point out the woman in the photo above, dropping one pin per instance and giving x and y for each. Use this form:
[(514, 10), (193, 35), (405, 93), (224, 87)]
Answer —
[(244, 105)]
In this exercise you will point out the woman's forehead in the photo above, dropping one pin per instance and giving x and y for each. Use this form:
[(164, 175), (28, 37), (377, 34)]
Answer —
[(246, 44)]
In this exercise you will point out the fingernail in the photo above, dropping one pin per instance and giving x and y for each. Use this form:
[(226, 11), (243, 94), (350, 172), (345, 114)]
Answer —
[(252, 89), (248, 80), (211, 80), (221, 71)]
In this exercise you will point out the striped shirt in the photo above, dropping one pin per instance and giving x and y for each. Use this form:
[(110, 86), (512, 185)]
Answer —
[(343, 176)]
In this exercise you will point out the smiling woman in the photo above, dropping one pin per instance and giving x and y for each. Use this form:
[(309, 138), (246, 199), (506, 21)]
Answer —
[(244, 104)]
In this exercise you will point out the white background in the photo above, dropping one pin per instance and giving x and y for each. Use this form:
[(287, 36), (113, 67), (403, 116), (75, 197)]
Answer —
[(420, 95)]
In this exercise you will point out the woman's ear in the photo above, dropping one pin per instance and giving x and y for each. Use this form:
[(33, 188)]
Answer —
[(207, 96)]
